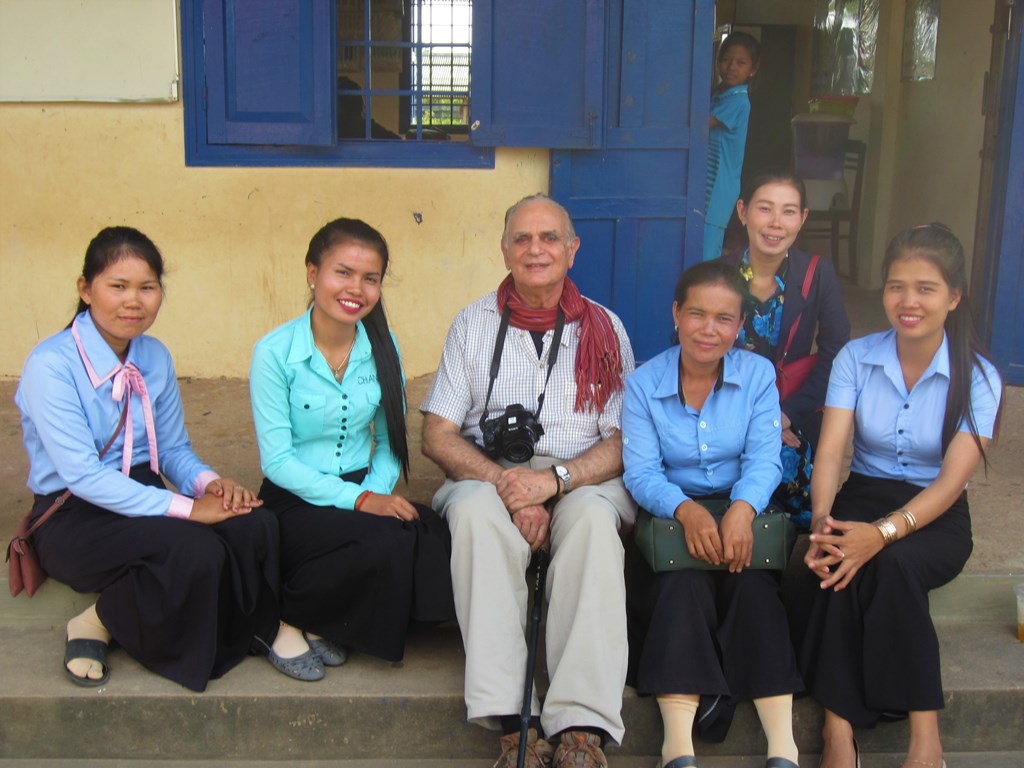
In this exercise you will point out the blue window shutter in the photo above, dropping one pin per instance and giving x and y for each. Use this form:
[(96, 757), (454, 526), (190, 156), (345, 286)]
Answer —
[(538, 73), (270, 71)]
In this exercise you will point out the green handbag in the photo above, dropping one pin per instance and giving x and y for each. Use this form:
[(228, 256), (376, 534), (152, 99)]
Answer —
[(663, 544)]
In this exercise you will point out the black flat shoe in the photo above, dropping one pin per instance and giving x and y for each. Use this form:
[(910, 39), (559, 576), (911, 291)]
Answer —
[(94, 650), (856, 754)]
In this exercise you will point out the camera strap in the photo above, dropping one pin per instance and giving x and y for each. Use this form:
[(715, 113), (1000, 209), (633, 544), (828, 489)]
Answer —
[(499, 346)]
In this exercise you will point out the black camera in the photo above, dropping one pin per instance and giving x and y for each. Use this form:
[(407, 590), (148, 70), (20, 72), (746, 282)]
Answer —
[(513, 434)]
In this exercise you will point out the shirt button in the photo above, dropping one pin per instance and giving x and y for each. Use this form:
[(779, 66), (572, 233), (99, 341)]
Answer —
[(343, 421), (704, 447), (711, 471), (776, 423), (344, 427), (337, 454), (906, 406), (899, 453), (900, 432), (344, 407), (703, 425), (306, 406), (344, 397), (339, 445)]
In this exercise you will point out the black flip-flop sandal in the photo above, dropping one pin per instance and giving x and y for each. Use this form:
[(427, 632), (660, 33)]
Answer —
[(94, 650)]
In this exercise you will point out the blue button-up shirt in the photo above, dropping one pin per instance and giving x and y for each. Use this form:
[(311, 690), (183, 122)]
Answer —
[(312, 429), (68, 414), (898, 434), (673, 452)]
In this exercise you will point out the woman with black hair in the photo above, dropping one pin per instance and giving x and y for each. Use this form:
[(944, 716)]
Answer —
[(923, 402), (359, 563), (701, 421), (794, 316), (186, 579)]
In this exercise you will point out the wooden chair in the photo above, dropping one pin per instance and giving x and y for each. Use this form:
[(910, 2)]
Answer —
[(822, 222)]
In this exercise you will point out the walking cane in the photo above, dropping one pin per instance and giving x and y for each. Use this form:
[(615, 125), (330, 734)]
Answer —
[(541, 559)]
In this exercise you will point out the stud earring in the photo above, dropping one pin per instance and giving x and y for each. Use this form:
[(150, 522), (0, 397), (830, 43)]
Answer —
[(675, 328), (311, 286)]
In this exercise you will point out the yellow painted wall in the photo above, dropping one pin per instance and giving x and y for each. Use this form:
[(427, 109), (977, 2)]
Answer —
[(234, 239), (924, 138)]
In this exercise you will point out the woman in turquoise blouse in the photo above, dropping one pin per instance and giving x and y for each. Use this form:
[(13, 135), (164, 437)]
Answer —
[(359, 563)]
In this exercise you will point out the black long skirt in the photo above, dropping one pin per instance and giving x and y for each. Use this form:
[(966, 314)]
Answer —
[(870, 652), (709, 632), (358, 579), (186, 600)]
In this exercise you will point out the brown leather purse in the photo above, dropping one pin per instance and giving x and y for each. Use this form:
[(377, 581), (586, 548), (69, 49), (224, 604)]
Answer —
[(24, 571)]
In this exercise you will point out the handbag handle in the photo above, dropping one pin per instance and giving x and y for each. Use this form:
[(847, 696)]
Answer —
[(59, 501), (805, 291)]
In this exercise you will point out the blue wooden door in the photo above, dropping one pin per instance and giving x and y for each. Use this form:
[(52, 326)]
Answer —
[(1004, 279), (637, 200)]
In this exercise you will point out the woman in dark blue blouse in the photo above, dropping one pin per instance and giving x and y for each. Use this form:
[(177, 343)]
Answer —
[(794, 307)]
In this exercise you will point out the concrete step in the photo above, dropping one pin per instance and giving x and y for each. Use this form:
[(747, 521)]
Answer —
[(370, 709), (413, 711), (969, 597), (887, 760)]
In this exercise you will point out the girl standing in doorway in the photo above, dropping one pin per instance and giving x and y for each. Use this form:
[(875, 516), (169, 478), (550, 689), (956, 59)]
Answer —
[(730, 111)]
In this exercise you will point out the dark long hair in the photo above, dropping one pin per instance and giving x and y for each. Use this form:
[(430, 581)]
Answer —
[(111, 245), (936, 244), (773, 176), (385, 355)]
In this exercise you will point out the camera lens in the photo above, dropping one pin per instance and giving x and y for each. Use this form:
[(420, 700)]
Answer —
[(519, 451)]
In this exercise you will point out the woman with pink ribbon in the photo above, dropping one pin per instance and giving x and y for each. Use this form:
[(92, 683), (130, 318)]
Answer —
[(187, 579)]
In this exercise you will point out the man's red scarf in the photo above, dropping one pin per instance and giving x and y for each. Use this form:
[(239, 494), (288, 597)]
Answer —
[(598, 358)]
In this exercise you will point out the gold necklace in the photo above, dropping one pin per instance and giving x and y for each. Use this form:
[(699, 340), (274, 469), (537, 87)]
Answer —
[(337, 369)]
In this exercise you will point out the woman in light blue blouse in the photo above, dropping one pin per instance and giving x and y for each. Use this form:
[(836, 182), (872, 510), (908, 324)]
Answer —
[(702, 420), (359, 563), (922, 401), (187, 601)]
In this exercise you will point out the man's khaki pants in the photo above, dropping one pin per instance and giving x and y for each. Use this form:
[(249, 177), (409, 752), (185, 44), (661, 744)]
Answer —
[(586, 620)]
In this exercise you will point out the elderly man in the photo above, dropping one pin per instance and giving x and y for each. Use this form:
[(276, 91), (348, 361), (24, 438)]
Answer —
[(523, 417)]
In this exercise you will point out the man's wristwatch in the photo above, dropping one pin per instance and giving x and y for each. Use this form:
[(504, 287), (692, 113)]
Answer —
[(562, 473)]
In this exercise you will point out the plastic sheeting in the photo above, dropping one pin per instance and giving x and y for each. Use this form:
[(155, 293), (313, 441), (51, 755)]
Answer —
[(920, 39), (846, 34)]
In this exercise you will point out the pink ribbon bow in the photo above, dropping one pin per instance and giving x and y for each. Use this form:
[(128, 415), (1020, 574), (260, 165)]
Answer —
[(126, 381)]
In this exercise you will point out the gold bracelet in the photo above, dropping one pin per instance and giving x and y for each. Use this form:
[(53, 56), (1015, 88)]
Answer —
[(888, 529), (907, 515)]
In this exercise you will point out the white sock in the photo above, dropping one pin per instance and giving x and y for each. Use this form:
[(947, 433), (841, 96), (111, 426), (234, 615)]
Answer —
[(678, 711), (289, 642), (776, 713)]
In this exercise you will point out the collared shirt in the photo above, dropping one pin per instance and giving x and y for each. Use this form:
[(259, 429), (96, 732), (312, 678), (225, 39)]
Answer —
[(312, 429), (673, 452), (898, 434), (68, 414), (460, 386)]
